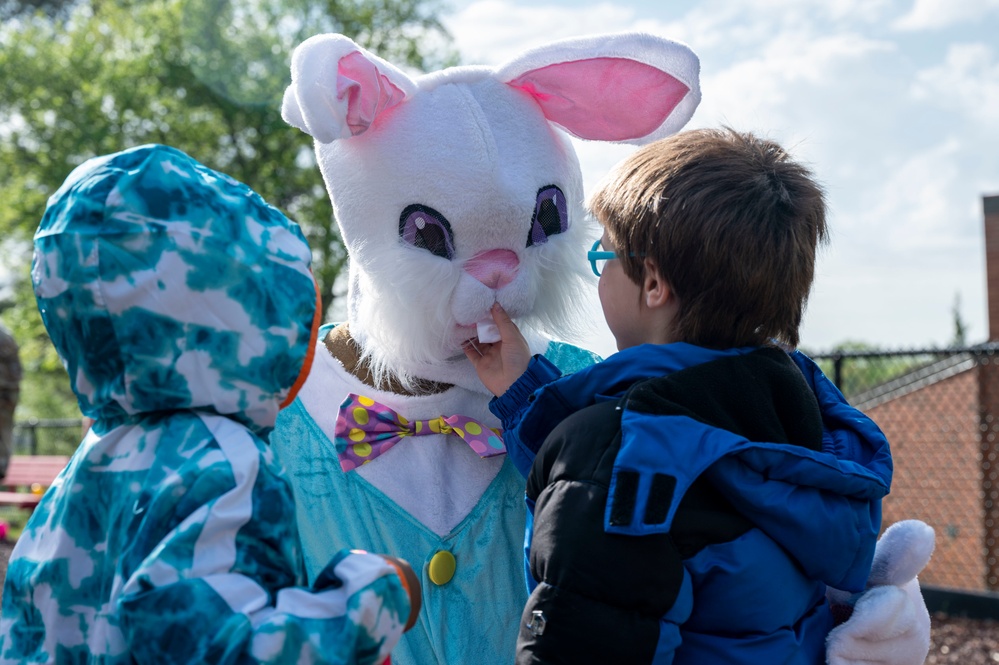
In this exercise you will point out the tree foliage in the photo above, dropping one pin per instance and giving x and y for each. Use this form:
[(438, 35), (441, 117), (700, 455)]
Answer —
[(82, 79), (52, 8)]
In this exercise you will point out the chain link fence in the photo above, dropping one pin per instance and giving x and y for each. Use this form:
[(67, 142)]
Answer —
[(940, 411), (47, 436)]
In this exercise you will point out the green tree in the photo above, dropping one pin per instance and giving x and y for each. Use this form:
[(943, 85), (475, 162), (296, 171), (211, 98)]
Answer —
[(87, 78)]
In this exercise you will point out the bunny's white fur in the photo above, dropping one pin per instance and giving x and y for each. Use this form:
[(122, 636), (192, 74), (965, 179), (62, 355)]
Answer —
[(410, 310)]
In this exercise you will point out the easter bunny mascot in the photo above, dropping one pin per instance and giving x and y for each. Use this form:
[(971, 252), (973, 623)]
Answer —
[(452, 191)]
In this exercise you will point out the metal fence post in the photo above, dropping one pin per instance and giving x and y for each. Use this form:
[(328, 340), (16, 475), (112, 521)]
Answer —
[(33, 435)]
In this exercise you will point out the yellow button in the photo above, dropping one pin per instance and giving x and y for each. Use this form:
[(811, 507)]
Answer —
[(442, 566)]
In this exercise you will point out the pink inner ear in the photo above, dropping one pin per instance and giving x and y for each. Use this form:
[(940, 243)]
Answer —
[(367, 90), (604, 99)]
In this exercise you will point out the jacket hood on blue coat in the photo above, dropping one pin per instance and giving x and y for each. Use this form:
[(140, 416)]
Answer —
[(832, 523), (166, 285)]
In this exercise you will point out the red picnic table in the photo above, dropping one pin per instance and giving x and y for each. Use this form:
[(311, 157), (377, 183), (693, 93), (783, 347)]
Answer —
[(27, 478)]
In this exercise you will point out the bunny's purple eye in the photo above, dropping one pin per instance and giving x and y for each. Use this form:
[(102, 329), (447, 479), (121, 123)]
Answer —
[(550, 216), (422, 226)]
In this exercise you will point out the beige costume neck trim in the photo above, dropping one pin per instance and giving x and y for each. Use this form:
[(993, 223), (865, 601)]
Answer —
[(343, 347)]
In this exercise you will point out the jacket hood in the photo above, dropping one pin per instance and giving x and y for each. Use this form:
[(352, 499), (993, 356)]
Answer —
[(819, 499), (822, 505), (166, 285)]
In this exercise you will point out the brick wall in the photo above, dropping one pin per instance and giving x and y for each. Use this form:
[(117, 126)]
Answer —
[(935, 443)]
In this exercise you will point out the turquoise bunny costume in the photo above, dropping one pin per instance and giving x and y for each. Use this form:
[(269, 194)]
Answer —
[(486, 591), (183, 307)]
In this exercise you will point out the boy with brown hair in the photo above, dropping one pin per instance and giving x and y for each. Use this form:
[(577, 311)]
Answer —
[(692, 496)]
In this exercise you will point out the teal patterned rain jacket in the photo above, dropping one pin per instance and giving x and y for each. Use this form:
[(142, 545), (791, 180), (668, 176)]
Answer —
[(182, 306)]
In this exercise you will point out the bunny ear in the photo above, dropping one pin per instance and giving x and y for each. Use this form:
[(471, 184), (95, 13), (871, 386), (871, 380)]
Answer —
[(338, 89), (632, 87)]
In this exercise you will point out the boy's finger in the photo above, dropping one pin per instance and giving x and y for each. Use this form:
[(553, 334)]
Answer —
[(503, 321), (473, 354)]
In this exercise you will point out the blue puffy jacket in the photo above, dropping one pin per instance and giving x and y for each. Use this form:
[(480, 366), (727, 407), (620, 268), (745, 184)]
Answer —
[(690, 505)]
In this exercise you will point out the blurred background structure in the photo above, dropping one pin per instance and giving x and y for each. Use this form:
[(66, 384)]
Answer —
[(10, 387)]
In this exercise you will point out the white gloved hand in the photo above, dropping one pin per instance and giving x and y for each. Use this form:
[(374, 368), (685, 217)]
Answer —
[(890, 624)]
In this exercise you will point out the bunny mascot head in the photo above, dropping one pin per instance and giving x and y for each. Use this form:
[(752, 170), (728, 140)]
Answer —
[(458, 188), (453, 190)]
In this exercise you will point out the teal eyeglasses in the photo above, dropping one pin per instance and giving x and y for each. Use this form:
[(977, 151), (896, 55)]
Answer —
[(598, 258)]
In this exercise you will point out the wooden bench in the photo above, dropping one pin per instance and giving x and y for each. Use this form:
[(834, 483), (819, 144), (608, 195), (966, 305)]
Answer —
[(27, 478)]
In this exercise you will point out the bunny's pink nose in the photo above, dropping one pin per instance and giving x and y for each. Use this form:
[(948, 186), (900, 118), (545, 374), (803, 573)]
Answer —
[(495, 268)]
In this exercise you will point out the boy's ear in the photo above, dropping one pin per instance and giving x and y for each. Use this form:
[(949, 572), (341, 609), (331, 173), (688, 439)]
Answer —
[(656, 291)]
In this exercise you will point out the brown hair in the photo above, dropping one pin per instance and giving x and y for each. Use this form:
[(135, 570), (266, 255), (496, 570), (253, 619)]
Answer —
[(730, 221)]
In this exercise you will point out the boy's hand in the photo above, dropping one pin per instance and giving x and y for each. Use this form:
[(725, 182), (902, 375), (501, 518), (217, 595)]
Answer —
[(501, 363)]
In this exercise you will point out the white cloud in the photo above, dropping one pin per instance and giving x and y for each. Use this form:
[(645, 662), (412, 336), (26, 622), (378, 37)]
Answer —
[(938, 14), (894, 306), (967, 81), (867, 11), (493, 31), (774, 78), (490, 32), (816, 11), (914, 204)]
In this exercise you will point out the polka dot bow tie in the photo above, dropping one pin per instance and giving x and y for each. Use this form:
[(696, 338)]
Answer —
[(365, 429)]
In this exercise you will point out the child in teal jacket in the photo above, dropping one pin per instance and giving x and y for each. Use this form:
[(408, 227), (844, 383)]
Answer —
[(185, 311)]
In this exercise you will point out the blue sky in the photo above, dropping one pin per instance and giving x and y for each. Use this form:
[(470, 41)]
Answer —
[(893, 103)]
